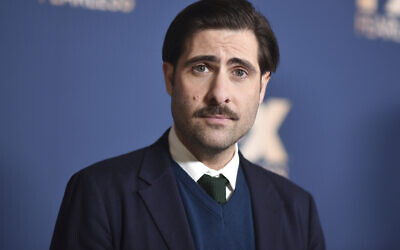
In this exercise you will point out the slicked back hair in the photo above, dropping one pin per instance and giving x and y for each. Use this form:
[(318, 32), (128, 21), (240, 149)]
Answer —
[(221, 14)]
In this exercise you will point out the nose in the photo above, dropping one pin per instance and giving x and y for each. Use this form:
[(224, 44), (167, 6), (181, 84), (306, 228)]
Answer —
[(218, 93)]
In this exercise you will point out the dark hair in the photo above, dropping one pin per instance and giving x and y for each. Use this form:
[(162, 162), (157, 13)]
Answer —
[(221, 14)]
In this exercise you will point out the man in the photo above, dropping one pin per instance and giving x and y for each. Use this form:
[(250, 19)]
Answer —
[(193, 189)]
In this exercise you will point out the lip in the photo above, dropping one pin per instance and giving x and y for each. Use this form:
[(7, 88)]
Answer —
[(217, 119)]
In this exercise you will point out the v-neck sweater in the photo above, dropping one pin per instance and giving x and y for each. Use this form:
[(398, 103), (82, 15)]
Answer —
[(215, 226)]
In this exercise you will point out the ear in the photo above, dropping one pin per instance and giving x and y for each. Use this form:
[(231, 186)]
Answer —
[(264, 82), (168, 70)]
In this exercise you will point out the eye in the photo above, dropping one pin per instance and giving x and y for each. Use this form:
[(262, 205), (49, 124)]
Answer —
[(200, 68), (240, 73)]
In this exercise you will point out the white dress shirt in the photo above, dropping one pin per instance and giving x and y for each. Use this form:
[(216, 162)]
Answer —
[(196, 169)]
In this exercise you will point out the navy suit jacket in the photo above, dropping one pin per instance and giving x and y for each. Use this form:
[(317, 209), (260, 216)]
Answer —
[(133, 202)]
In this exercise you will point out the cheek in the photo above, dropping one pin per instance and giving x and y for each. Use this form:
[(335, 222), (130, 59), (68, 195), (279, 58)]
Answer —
[(190, 94), (249, 105), (247, 97), (186, 101)]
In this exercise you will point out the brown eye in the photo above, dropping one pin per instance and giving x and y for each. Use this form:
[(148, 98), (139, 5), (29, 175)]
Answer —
[(200, 68), (240, 73)]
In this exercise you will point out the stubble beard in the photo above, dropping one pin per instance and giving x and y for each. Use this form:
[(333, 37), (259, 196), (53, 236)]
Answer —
[(208, 139)]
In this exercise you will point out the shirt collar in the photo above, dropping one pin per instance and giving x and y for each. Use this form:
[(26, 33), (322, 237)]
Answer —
[(196, 169)]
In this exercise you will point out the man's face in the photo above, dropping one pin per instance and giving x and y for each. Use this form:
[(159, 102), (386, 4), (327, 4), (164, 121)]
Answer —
[(216, 88)]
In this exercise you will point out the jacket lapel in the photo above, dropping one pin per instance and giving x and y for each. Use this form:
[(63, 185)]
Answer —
[(266, 205), (162, 198)]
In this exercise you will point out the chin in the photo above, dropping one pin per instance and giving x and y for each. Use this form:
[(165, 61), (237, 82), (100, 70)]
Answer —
[(215, 143)]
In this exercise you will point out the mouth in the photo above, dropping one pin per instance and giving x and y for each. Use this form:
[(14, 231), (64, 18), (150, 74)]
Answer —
[(216, 119)]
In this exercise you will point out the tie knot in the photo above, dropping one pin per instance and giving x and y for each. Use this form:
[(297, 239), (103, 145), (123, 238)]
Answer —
[(215, 187)]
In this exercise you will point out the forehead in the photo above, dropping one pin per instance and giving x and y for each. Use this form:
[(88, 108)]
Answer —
[(224, 44)]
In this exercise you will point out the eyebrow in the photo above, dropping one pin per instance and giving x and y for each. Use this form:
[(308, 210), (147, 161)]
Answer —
[(196, 59), (210, 58)]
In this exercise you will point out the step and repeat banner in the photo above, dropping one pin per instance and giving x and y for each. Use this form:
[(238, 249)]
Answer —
[(81, 81)]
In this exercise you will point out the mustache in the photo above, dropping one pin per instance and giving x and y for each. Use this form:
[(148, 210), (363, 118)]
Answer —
[(217, 110)]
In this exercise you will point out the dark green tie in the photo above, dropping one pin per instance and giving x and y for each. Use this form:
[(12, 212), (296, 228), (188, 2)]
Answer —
[(215, 187)]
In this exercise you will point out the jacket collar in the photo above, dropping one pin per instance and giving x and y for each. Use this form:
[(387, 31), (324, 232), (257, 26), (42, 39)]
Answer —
[(162, 198), (266, 206)]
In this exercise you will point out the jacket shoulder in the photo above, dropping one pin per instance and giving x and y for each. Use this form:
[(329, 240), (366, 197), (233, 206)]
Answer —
[(113, 170)]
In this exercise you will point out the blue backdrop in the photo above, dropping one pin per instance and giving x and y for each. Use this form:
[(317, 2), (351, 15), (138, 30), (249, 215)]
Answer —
[(83, 82)]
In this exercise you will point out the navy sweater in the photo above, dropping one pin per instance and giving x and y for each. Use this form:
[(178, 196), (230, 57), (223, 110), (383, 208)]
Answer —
[(215, 226)]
